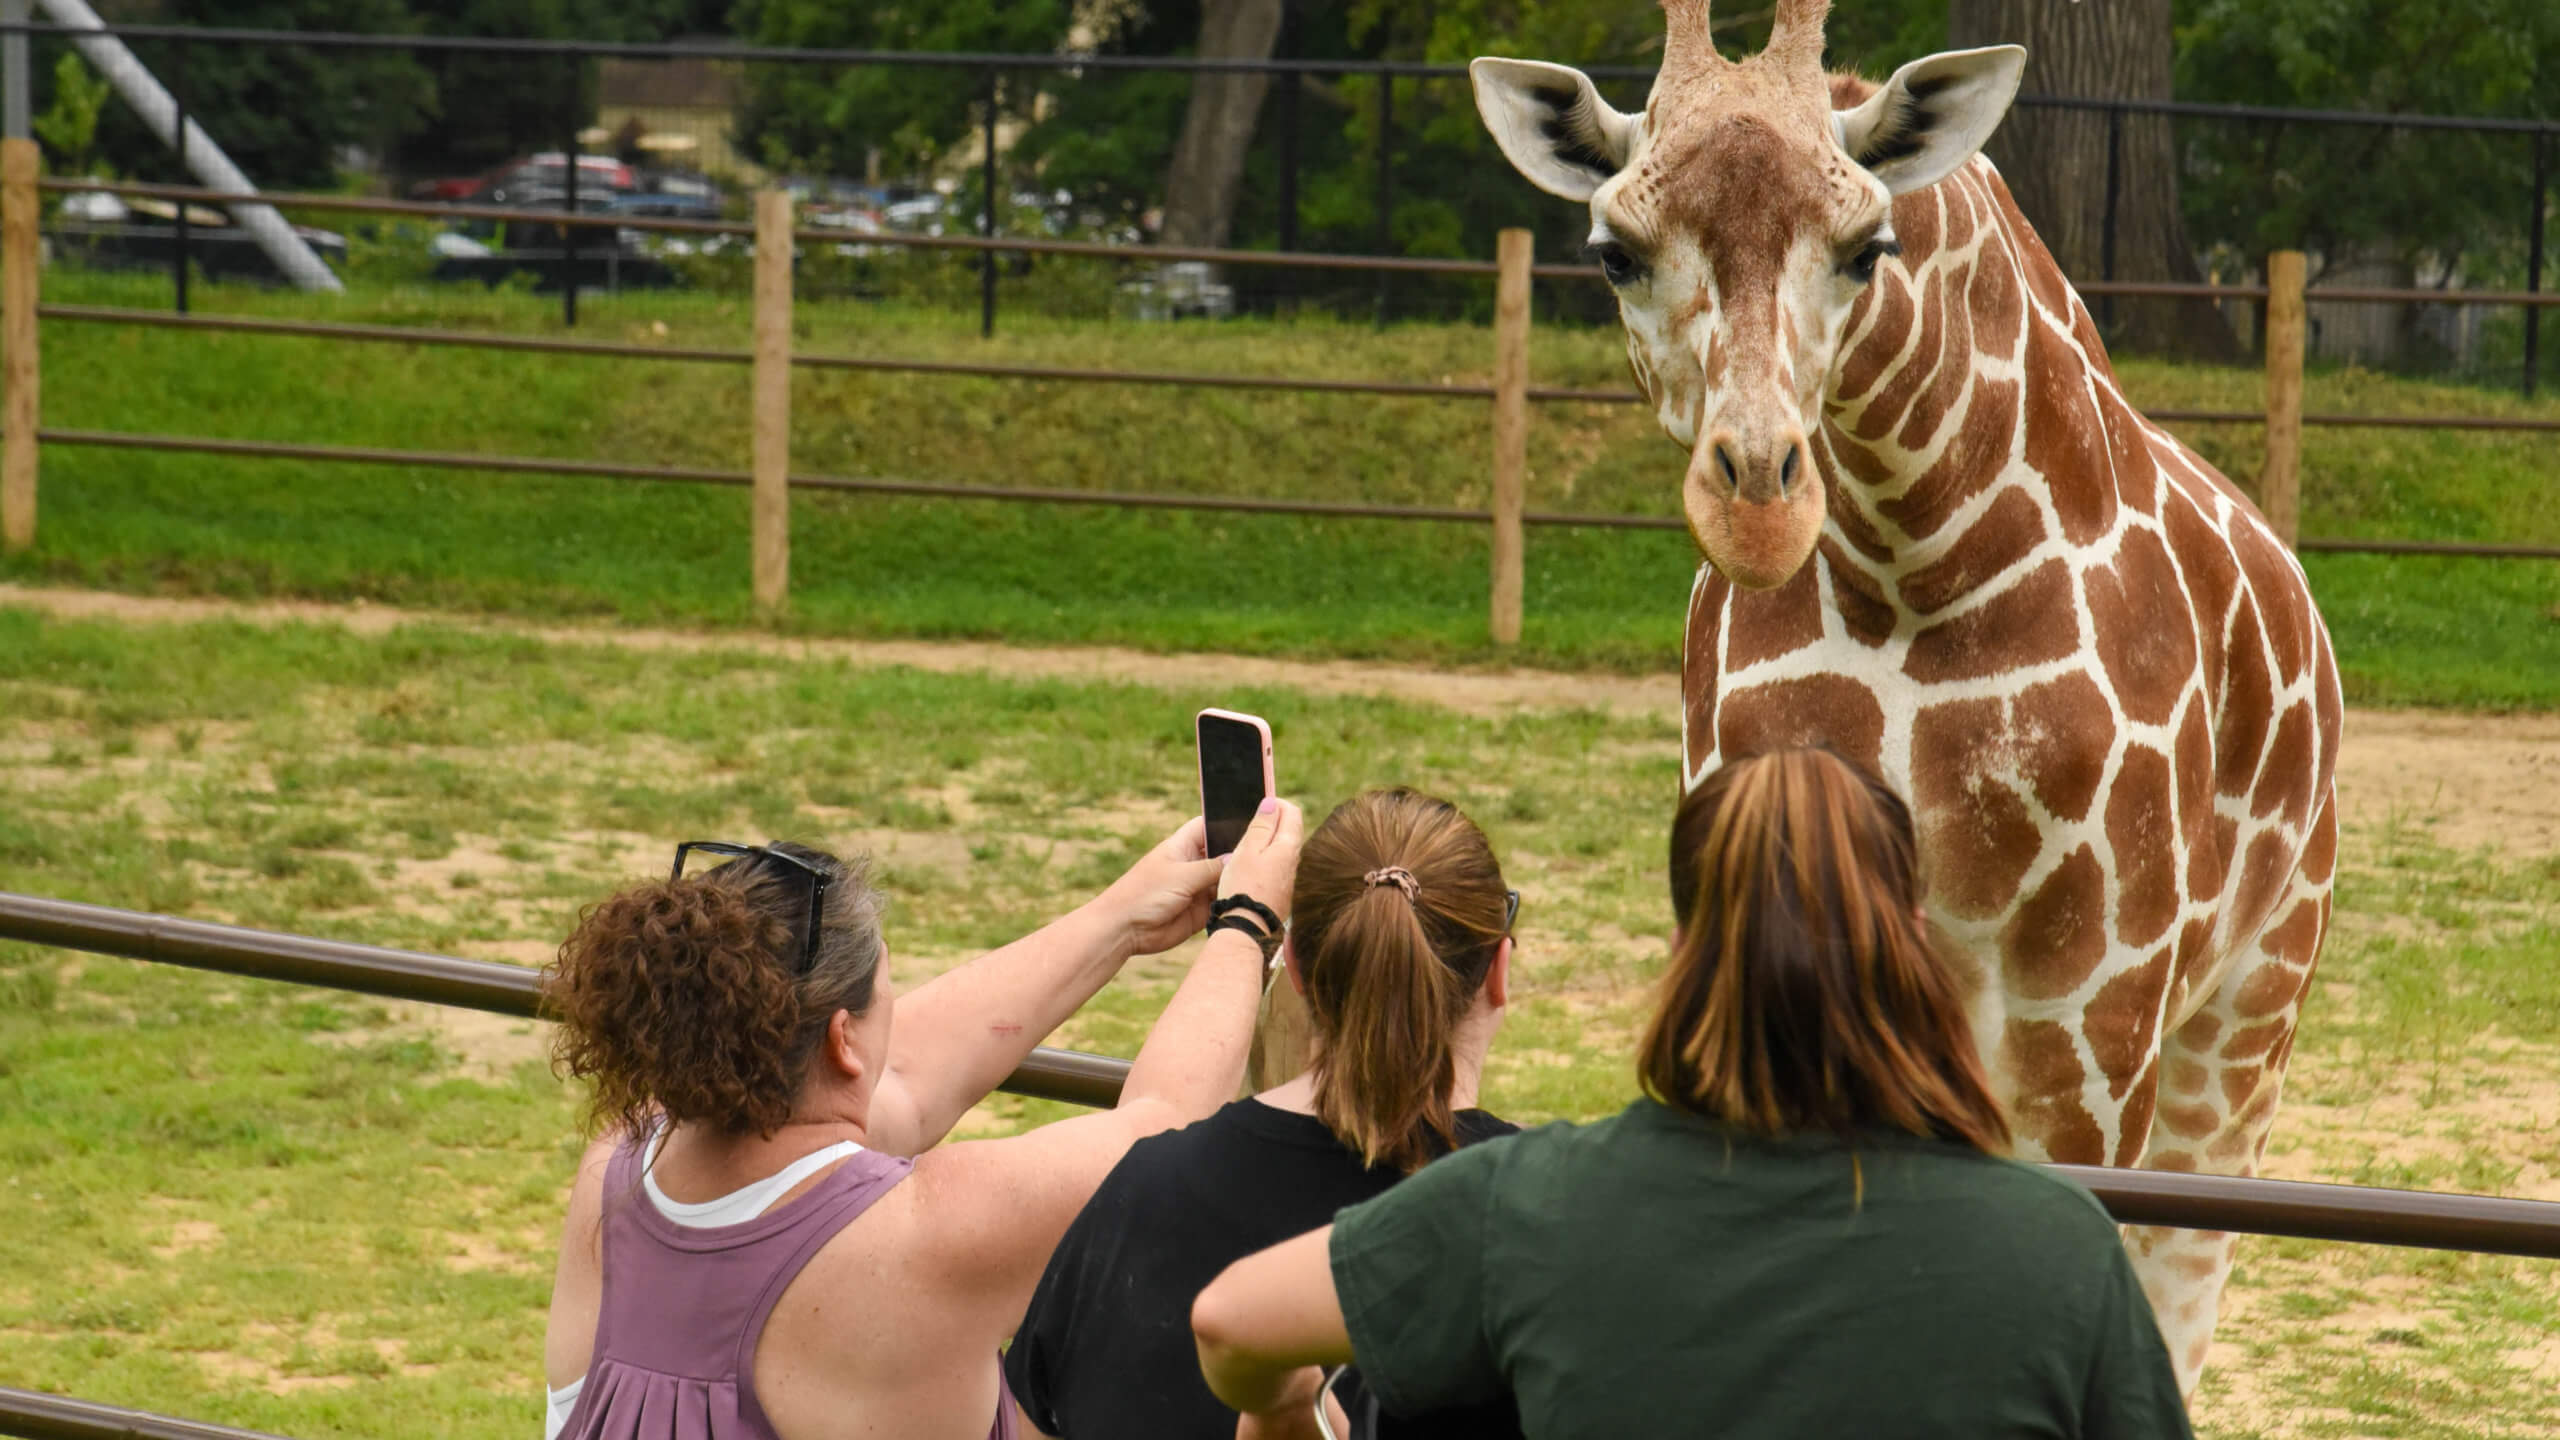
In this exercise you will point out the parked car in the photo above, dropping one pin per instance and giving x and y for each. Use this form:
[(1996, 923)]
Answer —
[(490, 251), (112, 232)]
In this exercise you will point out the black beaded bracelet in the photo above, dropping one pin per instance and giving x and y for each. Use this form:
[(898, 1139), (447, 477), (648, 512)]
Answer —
[(1267, 941), (1226, 908)]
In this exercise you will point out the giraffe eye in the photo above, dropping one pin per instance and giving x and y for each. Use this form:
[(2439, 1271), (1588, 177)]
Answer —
[(1616, 263), (1860, 268)]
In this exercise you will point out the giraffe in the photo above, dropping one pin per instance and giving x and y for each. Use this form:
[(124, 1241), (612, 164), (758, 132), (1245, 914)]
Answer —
[(1935, 536)]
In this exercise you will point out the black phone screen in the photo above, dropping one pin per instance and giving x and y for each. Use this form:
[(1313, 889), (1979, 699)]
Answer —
[(1230, 779)]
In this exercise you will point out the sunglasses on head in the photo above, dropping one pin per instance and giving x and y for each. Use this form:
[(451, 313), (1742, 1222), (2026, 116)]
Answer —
[(1510, 909), (817, 884)]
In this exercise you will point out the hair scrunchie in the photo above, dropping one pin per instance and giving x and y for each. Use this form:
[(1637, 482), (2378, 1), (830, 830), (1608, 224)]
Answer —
[(1395, 875)]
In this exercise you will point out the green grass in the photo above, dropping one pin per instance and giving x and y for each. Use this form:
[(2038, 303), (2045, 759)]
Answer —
[(318, 1215), (2431, 631)]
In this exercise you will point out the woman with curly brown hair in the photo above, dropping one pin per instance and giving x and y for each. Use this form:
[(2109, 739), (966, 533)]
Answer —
[(767, 1241), (1807, 1226)]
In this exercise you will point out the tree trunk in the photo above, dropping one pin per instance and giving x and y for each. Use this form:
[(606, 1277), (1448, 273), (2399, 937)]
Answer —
[(1208, 161), (2056, 160)]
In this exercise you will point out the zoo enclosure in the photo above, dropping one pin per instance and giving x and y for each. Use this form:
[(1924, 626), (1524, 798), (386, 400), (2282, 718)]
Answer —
[(776, 233), (2484, 1224)]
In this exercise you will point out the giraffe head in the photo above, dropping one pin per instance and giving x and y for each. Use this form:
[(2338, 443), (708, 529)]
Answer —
[(1739, 219)]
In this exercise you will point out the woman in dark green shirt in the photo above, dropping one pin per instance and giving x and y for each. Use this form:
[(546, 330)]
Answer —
[(1806, 1227)]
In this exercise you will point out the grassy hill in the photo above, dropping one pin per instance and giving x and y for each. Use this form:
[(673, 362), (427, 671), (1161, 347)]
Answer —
[(2410, 630)]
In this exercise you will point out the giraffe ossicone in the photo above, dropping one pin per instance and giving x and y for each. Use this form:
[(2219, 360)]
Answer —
[(1935, 536)]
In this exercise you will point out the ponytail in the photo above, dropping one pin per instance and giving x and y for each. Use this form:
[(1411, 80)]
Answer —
[(682, 998), (1399, 915), (1387, 1062)]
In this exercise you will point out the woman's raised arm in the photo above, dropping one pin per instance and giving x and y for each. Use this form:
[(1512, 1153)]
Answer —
[(958, 1036), (1000, 1206)]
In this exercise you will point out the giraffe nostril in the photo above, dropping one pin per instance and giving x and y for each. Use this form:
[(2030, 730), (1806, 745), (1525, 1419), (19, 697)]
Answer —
[(1732, 476), (1788, 467)]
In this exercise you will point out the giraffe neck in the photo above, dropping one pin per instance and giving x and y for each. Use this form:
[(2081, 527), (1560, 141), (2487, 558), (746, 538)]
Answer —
[(1968, 359)]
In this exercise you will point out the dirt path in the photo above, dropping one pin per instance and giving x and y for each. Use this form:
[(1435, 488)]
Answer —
[(2472, 780)]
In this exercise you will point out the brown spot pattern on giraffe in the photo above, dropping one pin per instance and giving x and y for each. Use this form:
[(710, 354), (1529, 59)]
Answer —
[(1937, 400), (1885, 411), (1977, 833), (2029, 623), (2048, 1108), (2186, 1077), (2044, 278), (1865, 614), (2062, 440), (2133, 1126), (2142, 832), (2263, 871), (2270, 574), (1814, 709), (2129, 451), (2058, 936), (1867, 360), (1973, 458), (2145, 637), (2247, 698), (2190, 1122), (2123, 1019), (1999, 308), (1997, 540), (2063, 730), (1698, 668), (2284, 785), (1768, 624)]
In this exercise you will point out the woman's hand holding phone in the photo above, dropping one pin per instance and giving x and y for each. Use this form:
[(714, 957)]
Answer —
[(1163, 900), (1264, 865)]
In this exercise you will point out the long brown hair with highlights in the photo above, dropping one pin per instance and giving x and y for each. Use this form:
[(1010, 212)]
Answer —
[(1391, 968), (1805, 991), (682, 998)]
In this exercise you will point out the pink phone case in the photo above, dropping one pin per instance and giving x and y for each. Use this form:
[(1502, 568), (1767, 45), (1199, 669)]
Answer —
[(1269, 785)]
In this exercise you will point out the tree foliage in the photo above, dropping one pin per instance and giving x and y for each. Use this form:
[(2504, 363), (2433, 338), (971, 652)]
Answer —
[(2364, 190)]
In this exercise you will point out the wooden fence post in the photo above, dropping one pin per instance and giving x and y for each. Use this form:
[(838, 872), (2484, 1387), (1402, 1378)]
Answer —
[(19, 258), (772, 388), (2280, 483), (1510, 427)]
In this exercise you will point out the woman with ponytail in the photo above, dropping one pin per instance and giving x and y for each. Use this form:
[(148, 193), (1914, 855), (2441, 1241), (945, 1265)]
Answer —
[(1807, 1226), (1401, 948), (768, 1240)]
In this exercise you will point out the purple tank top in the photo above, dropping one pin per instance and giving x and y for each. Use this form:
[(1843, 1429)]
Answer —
[(683, 1308)]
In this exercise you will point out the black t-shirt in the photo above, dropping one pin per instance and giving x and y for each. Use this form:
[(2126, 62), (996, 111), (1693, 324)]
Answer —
[(1105, 1350)]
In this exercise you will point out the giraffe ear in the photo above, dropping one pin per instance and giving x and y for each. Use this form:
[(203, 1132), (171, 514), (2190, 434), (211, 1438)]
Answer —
[(1932, 116), (1551, 124)]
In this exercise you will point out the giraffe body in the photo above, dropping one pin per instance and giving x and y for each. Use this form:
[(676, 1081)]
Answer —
[(2074, 645)]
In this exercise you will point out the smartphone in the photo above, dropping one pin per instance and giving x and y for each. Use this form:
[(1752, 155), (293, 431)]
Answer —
[(1235, 773)]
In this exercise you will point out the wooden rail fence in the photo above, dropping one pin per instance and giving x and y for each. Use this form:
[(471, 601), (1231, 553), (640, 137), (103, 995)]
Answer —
[(771, 358)]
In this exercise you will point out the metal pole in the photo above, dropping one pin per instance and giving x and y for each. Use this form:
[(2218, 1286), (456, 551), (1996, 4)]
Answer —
[(2107, 240), (150, 101), (1287, 119), (2533, 260), (178, 92), (1386, 181), (569, 206), (13, 71), (987, 221)]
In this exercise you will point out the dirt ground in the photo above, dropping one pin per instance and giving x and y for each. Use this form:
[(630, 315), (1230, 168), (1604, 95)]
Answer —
[(2473, 780)]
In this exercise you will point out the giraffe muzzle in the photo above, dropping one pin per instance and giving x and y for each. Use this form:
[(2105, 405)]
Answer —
[(1754, 512)]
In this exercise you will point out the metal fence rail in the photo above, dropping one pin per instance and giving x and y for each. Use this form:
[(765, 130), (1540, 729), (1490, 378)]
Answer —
[(35, 1415), (2480, 1223), (1025, 494), (404, 975)]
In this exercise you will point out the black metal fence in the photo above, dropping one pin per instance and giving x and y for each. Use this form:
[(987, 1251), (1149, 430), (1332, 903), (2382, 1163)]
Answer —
[(1382, 158)]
